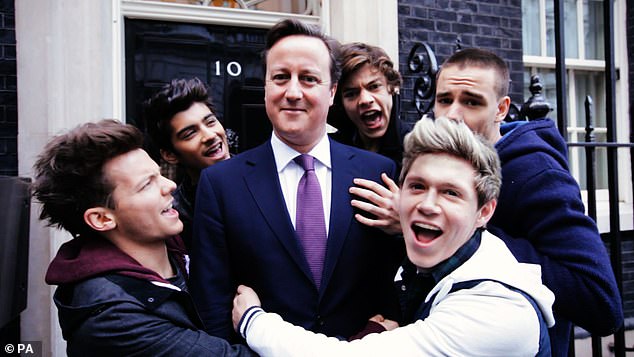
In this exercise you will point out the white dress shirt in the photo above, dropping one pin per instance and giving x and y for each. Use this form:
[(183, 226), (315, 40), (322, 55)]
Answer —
[(290, 173)]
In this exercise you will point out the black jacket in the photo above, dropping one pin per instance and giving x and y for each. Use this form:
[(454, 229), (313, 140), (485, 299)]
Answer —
[(110, 307)]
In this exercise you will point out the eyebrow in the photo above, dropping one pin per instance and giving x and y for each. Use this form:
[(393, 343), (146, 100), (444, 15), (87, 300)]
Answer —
[(443, 184), (465, 93), (180, 132)]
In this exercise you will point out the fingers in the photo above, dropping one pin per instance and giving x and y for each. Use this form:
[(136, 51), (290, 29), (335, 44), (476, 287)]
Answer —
[(376, 210), (391, 185), (389, 324), (377, 318), (375, 192), (371, 187), (243, 289), (370, 222)]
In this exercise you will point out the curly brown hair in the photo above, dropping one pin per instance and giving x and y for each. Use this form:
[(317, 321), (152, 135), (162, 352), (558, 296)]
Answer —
[(355, 55)]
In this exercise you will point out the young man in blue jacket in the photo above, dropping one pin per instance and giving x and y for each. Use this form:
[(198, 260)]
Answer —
[(122, 277)]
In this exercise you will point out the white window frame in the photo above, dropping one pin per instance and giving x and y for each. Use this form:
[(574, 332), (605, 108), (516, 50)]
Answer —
[(535, 63)]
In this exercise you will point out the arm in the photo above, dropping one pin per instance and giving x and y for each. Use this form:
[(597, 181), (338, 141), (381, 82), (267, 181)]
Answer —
[(124, 329), (463, 323), (211, 283), (548, 211), (379, 202), (246, 299)]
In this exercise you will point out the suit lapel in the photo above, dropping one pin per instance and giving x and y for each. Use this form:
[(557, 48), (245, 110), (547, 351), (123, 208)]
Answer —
[(341, 213), (263, 184)]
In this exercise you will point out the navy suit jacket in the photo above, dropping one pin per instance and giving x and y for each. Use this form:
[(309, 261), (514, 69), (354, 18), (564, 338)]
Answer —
[(243, 235)]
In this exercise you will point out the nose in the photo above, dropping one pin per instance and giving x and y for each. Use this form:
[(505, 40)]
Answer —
[(207, 133), (454, 112), (167, 186), (293, 89), (365, 98), (428, 204)]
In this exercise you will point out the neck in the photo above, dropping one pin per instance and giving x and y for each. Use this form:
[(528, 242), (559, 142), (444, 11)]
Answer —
[(302, 148), (194, 175), (370, 144), (150, 255)]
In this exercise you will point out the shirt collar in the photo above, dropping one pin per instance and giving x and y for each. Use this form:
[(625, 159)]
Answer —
[(463, 253), (284, 154)]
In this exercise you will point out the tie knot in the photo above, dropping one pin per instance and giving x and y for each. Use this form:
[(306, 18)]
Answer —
[(307, 162)]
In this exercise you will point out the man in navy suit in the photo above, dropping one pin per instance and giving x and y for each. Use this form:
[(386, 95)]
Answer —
[(245, 218)]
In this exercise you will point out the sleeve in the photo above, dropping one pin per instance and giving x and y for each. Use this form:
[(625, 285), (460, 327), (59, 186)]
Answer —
[(566, 243), (126, 329), (463, 323), (211, 282)]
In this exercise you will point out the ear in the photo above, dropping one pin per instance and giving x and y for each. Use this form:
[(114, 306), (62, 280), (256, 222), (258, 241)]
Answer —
[(504, 104), (169, 157), (100, 219), (486, 212), (333, 90)]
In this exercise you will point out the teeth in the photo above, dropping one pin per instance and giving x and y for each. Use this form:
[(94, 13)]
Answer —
[(370, 113), (214, 148), (427, 227)]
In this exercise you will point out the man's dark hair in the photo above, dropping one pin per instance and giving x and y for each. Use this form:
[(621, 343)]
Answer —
[(69, 177), (477, 57), (176, 96), (291, 27)]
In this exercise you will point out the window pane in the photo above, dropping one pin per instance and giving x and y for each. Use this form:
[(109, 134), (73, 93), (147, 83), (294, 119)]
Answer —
[(600, 159), (591, 84), (570, 28), (531, 33), (593, 28), (550, 29)]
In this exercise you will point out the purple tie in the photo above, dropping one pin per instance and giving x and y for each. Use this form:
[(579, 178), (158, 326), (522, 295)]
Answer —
[(309, 222)]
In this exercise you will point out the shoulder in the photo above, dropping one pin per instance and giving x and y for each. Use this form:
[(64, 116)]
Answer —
[(530, 149), (239, 163), (354, 153), (538, 137), (96, 290)]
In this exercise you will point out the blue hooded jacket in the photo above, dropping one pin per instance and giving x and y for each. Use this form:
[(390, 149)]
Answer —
[(540, 206)]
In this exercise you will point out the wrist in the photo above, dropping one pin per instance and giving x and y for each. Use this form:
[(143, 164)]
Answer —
[(248, 317)]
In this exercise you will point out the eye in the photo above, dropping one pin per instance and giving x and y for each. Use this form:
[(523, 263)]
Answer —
[(375, 86), (187, 134), (453, 193), (310, 80), (146, 184), (472, 103), (416, 186), (280, 78), (443, 100), (349, 94), (211, 121)]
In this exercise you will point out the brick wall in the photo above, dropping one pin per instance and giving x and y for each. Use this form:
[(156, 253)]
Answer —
[(492, 24), (8, 91)]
